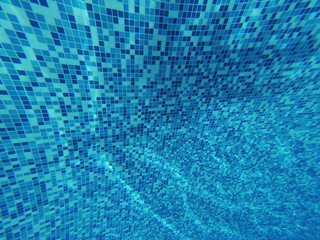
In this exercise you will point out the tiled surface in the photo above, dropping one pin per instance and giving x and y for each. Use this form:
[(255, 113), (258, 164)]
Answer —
[(188, 119)]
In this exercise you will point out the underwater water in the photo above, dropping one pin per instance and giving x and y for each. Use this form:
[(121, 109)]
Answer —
[(169, 119)]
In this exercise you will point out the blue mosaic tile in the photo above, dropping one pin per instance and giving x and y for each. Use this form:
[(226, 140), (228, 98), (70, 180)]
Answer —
[(187, 119)]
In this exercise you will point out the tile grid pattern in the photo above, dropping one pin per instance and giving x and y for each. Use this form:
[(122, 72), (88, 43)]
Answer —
[(189, 119)]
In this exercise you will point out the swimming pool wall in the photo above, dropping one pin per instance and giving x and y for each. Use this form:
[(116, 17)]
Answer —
[(185, 119)]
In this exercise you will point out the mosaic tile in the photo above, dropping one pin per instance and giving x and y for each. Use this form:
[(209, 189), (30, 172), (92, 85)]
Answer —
[(187, 119)]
